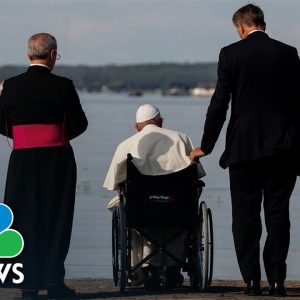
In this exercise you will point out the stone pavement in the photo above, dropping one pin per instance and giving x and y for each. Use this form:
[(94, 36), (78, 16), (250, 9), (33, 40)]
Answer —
[(104, 289)]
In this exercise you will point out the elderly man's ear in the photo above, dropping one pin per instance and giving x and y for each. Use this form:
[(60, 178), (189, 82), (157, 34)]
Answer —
[(140, 126), (136, 126)]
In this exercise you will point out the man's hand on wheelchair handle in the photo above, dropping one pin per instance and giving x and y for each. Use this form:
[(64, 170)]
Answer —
[(196, 154)]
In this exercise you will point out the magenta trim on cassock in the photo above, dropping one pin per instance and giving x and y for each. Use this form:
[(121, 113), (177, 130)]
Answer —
[(39, 135)]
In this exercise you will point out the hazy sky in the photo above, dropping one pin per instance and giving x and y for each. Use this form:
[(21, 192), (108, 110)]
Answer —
[(100, 32)]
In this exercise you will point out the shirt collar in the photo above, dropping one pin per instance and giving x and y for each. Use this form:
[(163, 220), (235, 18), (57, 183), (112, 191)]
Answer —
[(255, 30), (40, 65)]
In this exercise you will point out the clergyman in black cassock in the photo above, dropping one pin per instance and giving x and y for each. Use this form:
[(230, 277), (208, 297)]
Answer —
[(41, 112), (260, 76)]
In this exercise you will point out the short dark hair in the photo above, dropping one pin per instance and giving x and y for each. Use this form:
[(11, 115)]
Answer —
[(250, 15)]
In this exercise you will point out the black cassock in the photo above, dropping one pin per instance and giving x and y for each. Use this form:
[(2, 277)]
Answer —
[(41, 181)]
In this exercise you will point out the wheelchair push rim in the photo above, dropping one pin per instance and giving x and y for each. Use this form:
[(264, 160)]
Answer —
[(210, 247), (199, 273), (115, 258), (119, 247)]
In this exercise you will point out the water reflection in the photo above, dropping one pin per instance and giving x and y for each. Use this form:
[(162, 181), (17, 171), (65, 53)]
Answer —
[(83, 188), (111, 119)]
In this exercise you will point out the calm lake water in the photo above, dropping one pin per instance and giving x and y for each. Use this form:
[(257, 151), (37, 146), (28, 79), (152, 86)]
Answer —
[(111, 118)]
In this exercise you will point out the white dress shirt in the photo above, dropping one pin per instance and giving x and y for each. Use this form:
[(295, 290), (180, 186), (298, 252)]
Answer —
[(39, 65), (255, 30)]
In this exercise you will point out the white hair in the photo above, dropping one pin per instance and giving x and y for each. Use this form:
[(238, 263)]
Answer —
[(40, 45)]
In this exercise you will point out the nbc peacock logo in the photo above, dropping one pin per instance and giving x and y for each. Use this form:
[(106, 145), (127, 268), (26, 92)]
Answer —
[(11, 241), (11, 245)]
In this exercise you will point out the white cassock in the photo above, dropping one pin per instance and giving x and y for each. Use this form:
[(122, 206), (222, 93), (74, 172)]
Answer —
[(155, 151), (1, 86)]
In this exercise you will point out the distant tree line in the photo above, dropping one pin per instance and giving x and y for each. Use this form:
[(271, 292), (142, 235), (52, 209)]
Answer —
[(131, 77)]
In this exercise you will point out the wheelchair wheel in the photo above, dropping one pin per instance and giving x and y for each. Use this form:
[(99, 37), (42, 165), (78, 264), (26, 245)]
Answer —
[(119, 247), (115, 252), (210, 247), (199, 272)]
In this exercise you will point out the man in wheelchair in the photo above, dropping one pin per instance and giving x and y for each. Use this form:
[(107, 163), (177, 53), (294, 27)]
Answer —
[(155, 151)]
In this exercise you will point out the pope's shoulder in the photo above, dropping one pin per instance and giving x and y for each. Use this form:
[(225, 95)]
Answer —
[(171, 132), (150, 129)]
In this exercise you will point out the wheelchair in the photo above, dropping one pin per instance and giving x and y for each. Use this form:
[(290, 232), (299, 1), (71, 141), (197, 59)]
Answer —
[(163, 202)]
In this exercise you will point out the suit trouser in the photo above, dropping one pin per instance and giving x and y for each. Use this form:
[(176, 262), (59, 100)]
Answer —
[(272, 180)]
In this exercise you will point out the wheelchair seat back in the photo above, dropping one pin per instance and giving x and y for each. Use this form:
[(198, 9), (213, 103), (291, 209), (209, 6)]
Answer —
[(164, 201)]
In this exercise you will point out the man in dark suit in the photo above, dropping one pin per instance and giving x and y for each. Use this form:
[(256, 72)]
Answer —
[(259, 75), (42, 112)]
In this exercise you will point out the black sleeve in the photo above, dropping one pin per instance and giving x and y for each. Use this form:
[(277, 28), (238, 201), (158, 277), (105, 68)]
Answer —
[(217, 110), (4, 128), (2, 115), (76, 121), (296, 84)]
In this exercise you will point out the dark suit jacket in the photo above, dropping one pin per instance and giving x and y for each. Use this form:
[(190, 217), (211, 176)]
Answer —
[(261, 77), (40, 97)]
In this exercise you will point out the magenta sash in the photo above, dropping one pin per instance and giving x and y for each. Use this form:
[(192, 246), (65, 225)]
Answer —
[(39, 135)]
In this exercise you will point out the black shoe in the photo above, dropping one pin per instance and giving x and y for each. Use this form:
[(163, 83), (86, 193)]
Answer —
[(252, 288), (277, 290), (151, 278), (29, 295), (61, 292), (173, 277)]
